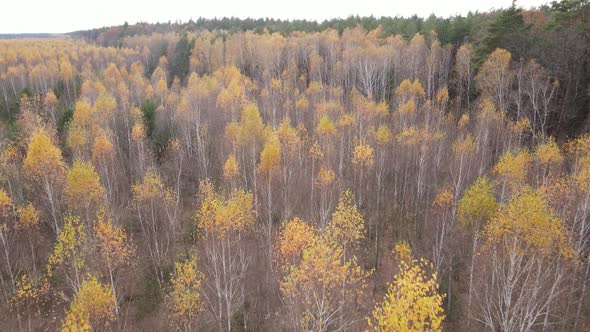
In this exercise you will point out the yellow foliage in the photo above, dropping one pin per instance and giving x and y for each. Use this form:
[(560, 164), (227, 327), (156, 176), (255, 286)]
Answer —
[(463, 121), (402, 251), (302, 104), (347, 226), (220, 217), (363, 156), (83, 186), (113, 245), (326, 176), (252, 127), (138, 132), (6, 207), (408, 107), (70, 246), (580, 146), (82, 113), (270, 157), (412, 302), (513, 168), (94, 305), (295, 236), (28, 217), (382, 135), (288, 137), (230, 169), (528, 219), (105, 105), (43, 158), (443, 200), (77, 138), (321, 283), (184, 300), (316, 152), (346, 120), (478, 204), (102, 147), (325, 127), (27, 292), (464, 146), (582, 177), (548, 153), (76, 321), (232, 133), (152, 188), (442, 96)]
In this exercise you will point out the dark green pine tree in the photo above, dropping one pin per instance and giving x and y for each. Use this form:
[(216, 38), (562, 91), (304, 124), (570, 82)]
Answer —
[(181, 61), (507, 31)]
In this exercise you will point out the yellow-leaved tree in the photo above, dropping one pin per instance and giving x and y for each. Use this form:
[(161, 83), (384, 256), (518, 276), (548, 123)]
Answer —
[(322, 291), (92, 308), (45, 168), (28, 222), (114, 248), (413, 302), (530, 253), (83, 192), (363, 160), (475, 209), (269, 167), (184, 300), (7, 237), (295, 236), (69, 253), (347, 227), (223, 224), (513, 169), (156, 208)]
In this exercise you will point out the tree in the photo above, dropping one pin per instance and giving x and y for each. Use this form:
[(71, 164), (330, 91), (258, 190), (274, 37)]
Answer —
[(464, 72), (28, 221), (69, 253), (347, 226), (323, 292), (114, 249), (269, 166), (295, 236), (363, 159), (495, 78), (92, 308), (529, 251), (45, 167), (325, 181), (184, 299), (29, 294), (222, 224), (509, 31), (180, 64), (230, 168), (477, 206), (513, 169), (155, 205), (7, 233), (412, 302), (83, 191)]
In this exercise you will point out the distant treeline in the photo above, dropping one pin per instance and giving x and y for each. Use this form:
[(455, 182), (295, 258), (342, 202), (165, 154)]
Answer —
[(28, 35), (450, 30)]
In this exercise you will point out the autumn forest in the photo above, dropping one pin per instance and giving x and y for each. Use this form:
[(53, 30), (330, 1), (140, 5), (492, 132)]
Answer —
[(363, 174)]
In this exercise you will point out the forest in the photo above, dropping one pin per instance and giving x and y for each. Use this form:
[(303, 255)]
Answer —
[(358, 174)]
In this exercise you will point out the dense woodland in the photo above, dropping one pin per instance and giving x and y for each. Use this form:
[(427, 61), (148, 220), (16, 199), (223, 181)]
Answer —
[(392, 174)]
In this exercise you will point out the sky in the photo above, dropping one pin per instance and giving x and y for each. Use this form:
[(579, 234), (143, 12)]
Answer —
[(60, 16)]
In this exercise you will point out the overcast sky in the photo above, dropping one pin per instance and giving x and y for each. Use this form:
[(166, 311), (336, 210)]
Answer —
[(20, 16)]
